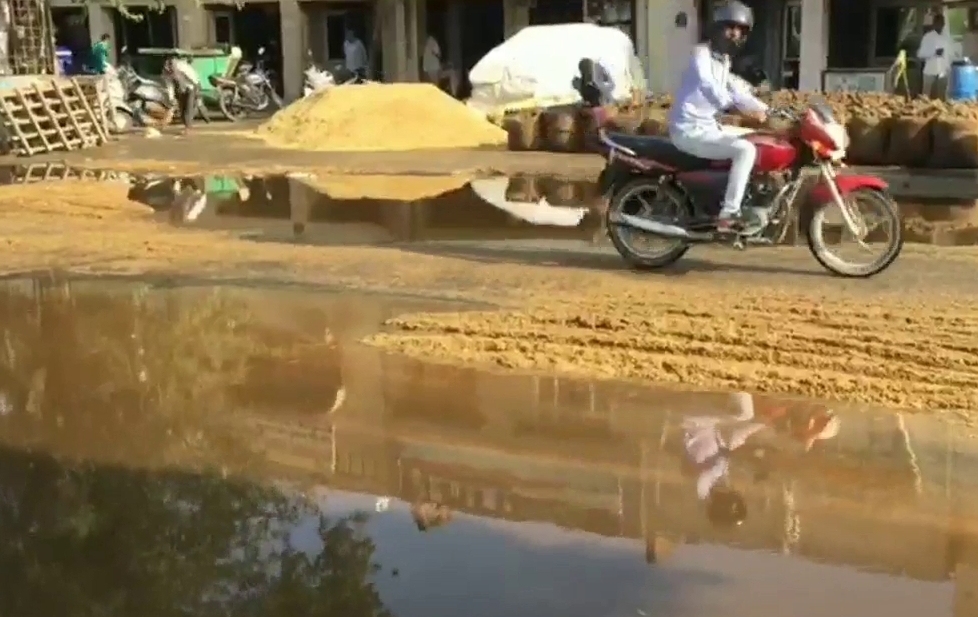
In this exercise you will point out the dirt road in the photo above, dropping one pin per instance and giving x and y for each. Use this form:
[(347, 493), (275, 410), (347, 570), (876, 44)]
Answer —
[(766, 320)]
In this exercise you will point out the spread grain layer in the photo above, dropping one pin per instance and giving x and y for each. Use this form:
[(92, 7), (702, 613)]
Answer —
[(908, 338), (380, 117)]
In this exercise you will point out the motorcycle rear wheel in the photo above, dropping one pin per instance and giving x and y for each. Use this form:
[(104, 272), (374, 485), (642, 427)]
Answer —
[(819, 247), (622, 237)]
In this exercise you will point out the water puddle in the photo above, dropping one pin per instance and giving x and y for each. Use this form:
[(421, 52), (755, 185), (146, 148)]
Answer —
[(236, 451), (512, 213)]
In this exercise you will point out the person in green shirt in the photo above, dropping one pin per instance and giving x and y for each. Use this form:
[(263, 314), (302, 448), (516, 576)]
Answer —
[(100, 55)]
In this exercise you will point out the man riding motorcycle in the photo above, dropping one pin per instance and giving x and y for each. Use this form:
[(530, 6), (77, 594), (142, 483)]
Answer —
[(705, 92)]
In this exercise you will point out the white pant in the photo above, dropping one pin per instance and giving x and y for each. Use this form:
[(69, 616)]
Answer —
[(718, 144)]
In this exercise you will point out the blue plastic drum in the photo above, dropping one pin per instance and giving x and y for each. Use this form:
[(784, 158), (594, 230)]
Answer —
[(964, 81)]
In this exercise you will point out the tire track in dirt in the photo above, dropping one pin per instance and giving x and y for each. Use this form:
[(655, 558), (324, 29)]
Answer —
[(909, 355)]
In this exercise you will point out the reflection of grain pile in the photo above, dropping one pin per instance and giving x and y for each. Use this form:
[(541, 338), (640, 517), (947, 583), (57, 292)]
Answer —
[(396, 188), (376, 117)]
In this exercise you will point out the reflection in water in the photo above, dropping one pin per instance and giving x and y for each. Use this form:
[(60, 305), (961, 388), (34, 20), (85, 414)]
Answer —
[(468, 212), (144, 433), (98, 385)]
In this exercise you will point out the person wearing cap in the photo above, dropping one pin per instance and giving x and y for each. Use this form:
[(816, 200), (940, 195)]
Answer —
[(707, 91), (708, 442)]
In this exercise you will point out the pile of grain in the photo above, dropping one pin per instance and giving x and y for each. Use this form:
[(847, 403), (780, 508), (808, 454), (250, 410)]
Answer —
[(378, 117)]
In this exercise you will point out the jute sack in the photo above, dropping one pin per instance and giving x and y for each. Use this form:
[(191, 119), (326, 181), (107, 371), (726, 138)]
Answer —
[(522, 188), (955, 144), (561, 131), (869, 138), (523, 131), (910, 141)]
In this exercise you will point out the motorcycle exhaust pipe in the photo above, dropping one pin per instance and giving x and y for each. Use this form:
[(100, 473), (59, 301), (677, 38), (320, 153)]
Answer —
[(661, 229)]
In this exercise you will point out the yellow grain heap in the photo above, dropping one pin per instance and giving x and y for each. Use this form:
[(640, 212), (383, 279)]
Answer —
[(377, 117)]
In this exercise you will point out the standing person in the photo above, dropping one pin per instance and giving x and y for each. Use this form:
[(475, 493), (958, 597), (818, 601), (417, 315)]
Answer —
[(355, 55), (708, 442), (183, 85), (4, 37), (435, 70), (935, 46), (99, 60), (705, 92)]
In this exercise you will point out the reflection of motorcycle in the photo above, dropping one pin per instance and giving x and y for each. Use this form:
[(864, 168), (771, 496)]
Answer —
[(660, 193), (249, 91)]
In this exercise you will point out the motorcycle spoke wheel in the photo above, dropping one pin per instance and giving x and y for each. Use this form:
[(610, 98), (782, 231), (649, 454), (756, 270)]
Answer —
[(650, 202), (872, 250)]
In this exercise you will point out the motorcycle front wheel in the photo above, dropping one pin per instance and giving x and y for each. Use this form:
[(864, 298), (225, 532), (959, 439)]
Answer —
[(230, 108), (882, 228)]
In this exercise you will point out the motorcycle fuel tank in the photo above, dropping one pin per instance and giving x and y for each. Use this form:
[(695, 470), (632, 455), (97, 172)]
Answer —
[(773, 154)]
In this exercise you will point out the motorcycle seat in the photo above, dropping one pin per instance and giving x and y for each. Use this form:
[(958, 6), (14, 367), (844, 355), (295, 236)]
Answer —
[(660, 150)]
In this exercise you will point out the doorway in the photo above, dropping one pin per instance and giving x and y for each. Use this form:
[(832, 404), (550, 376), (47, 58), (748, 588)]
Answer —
[(224, 27), (326, 26), (791, 45), (251, 27), (482, 29), (151, 28)]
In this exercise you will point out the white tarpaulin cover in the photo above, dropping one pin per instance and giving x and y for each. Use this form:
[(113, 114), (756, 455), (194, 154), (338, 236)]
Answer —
[(537, 66)]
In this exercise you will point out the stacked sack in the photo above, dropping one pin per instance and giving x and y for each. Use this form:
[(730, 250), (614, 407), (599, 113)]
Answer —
[(883, 129)]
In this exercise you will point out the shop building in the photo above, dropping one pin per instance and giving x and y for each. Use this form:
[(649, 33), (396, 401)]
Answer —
[(796, 41)]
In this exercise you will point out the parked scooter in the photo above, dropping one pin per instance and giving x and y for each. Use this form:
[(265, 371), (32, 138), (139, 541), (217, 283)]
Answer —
[(115, 101), (249, 91), (145, 97)]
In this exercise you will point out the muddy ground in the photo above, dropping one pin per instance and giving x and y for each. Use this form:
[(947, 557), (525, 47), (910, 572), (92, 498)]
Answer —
[(766, 320)]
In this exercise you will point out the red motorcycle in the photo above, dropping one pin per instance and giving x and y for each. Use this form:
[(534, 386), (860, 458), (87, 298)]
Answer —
[(658, 193)]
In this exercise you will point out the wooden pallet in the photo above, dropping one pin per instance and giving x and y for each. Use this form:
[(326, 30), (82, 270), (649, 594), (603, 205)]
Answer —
[(52, 116)]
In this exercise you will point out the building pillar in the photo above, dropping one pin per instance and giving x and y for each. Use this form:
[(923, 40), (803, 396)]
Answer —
[(413, 54), (393, 36), (453, 35), (193, 24), (516, 16), (814, 44), (292, 36), (667, 46)]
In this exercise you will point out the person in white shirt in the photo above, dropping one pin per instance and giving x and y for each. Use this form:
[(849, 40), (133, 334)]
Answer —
[(355, 55), (705, 92), (935, 51), (183, 85), (4, 37), (435, 71), (708, 442)]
